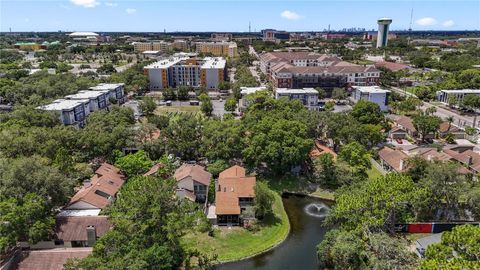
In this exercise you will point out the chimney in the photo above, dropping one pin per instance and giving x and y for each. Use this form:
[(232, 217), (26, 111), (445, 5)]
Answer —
[(402, 165), (87, 183), (469, 160), (91, 235)]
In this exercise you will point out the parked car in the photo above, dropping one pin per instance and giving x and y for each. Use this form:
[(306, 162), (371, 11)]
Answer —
[(168, 103), (399, 141)]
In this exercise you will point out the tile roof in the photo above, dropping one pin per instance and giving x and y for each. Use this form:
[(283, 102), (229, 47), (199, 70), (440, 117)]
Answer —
[(51, 259), (234, 171), (102, 188), (197, 172), (75, 228), (232, 185), (433, 154), (391, 65), (464, 158), (444, 127), (393, 157), (153, 170), (406, 122)]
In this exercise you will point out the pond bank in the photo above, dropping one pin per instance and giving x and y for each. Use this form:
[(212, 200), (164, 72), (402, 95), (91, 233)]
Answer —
[(235, 243), (298, 251)]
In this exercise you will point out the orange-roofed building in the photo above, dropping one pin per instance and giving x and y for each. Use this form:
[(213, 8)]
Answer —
[(234, 195), (99, 191)]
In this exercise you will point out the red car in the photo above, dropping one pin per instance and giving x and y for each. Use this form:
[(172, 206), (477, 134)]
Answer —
[(399, 141)]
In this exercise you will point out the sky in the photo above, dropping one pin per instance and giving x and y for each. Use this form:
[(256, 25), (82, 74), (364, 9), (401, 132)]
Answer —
[(233, 16)]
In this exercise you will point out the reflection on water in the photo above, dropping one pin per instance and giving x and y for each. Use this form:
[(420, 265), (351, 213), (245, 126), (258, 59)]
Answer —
[(299, 250)]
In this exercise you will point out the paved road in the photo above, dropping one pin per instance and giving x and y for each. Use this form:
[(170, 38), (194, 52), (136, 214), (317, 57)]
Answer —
[(231, 74), (459, 120), (133, 104), (403, 92), (252, 51), (218, 108), (125, 67)]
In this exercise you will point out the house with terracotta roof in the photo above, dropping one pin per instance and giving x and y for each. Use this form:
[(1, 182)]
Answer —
[(469, 158), (397, 133), (100, 191), (192, 182), (393, 160), (446, 128), (396, 160), (80, 231), (234, 196), (406, 123)]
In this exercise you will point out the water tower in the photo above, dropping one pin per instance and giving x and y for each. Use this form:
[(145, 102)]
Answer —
[(382, 37)]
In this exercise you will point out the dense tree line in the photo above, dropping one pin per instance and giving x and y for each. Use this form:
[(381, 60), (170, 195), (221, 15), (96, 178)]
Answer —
[(42, 161)]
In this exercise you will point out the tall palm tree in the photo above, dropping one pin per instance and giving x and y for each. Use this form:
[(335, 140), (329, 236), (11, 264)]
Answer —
[(450, 120)]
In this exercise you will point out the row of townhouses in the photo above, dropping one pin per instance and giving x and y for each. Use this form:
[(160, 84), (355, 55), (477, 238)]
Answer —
[(73, 109)]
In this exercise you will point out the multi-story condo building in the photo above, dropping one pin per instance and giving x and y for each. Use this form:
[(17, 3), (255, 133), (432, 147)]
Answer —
[(373, 94), (180, 44), (116, 91), (161, 46), (275, 35), (74, 108), (98, 99), (308, 96), (182, 69), (227, 49), (71, 112), (306, 69)]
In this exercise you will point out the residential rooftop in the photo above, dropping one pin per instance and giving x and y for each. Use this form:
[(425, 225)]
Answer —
[(106, 86), (166, 63), (250, 90), (371, 89), (214, 62), (63, 104), (296, 91), (86, 94), (463, 91)]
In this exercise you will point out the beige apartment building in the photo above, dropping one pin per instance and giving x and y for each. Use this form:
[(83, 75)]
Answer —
[(227, 49), (161, 46)]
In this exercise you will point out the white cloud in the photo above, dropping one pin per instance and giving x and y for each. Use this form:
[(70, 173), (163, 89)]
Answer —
[(290, 15), (86, 3), (448, 23), (426, 21), (130, 10), (110, 4)]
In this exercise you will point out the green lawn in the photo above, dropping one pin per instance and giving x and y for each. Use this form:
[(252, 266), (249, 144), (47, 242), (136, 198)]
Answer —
[(373, 173), (162, 110), (324, 194), (237, 243)]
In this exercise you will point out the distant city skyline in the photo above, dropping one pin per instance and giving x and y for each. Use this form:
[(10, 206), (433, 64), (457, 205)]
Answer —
[(233, 16)]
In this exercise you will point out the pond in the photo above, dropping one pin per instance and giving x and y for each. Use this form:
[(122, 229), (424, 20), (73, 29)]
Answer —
[(298, 251)]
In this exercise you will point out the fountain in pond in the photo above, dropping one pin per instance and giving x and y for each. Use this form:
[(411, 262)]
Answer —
[(319, 210)]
